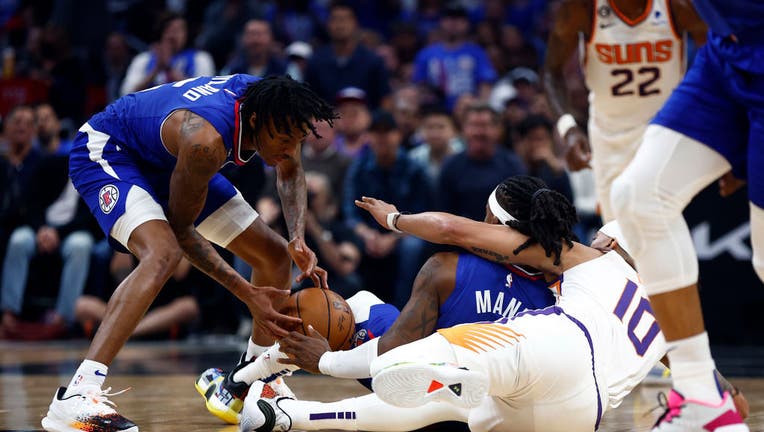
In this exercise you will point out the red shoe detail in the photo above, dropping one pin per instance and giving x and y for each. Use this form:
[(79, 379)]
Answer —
[(728, 418), (434, 385)]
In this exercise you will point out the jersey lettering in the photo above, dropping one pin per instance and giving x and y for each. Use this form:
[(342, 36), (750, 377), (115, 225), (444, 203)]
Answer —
[(640, 52), (483, 303), (195, 93)]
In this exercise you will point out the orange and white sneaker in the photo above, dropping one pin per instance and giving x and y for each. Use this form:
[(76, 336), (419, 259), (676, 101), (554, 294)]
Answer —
[(89, 410), (262, 413), (687, 415)]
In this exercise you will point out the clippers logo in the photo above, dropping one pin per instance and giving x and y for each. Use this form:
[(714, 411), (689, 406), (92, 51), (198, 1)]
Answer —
[(107, 198)]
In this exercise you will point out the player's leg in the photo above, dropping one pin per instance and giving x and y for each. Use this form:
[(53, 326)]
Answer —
[(697, 136)]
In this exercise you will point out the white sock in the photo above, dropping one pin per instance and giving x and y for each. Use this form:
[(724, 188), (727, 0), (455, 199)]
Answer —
[(89, 374), (265, 367), (368, 413), (692, 368), (254, 350)]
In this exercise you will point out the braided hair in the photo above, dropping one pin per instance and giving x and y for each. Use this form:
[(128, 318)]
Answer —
[(544, 215), (284, 103)]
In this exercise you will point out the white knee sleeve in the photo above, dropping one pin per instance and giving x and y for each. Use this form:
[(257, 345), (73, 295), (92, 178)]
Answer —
[(668, 170), (757, 239)]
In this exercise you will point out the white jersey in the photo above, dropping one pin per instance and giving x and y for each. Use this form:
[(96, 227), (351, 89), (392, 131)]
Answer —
[(631, 67), (605, 296)]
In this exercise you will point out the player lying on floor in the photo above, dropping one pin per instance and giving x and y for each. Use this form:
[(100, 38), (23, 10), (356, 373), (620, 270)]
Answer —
[(520, 357)]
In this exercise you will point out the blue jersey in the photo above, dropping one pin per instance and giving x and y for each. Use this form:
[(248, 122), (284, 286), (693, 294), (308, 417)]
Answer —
[(135, 120), (739, 18), (483, 291)]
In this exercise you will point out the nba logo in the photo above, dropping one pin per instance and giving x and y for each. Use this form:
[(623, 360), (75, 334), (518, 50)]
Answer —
[(78, 380), (107, 198)]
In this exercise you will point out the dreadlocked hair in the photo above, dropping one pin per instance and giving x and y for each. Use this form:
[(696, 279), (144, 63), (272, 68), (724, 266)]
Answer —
[(544, 215), (284, 103)]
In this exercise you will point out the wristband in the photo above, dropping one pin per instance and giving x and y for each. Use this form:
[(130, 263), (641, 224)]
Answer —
[(392, 218), (565, 124)]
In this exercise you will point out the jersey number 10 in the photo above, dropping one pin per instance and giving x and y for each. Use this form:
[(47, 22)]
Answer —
[(640, 345)]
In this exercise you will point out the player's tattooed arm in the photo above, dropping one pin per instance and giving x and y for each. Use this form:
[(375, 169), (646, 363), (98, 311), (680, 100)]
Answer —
[(290, 182), (435, 281)]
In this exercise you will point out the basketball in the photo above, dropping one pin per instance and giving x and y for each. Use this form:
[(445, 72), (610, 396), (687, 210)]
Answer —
[(326, 311)]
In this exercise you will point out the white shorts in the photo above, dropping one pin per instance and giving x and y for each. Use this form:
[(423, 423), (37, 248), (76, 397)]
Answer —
[(220, 227)]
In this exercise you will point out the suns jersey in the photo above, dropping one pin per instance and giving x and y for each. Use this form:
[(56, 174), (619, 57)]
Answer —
[(483, 291), (604, 294), (631, 67), (135, 120)]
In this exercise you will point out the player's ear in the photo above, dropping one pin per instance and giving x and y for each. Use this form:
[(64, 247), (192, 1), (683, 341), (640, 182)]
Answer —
[(252, 120)]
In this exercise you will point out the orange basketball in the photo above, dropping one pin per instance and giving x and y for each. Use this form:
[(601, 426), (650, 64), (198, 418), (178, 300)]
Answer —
[(326, 311)]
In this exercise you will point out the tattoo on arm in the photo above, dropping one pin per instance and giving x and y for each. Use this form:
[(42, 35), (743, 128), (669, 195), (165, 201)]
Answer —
[(292, 191), (191, 124), (491, 255)]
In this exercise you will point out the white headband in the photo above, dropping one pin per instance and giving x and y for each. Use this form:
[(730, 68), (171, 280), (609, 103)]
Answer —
[(502, 215)]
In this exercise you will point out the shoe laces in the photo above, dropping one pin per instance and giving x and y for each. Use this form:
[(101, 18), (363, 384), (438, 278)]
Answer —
[(102, 396), (670, 411)]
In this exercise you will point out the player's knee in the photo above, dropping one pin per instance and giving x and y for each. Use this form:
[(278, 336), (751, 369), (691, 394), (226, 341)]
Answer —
[(622, 199), (164, 258)]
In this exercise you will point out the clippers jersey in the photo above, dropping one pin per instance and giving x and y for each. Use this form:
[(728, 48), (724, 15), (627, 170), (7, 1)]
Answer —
[(135, 120), (483, 291), (631, 67), (605, 296)]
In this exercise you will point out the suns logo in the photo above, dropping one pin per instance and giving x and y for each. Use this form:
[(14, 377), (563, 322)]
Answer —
[(107, 198)]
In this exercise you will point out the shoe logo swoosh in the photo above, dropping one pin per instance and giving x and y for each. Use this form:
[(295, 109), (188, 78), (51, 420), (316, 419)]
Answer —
[(99, 373)]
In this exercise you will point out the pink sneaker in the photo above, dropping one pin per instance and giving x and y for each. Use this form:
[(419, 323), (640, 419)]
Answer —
[(687, 415)]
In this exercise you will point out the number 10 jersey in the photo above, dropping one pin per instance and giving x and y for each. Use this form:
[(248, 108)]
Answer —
[(631, 66)]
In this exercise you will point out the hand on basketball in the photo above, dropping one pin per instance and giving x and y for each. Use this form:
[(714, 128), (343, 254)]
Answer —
[(307, 262), (260, 302), (577, 151), (729, 184), (304, 351), (378, 209)]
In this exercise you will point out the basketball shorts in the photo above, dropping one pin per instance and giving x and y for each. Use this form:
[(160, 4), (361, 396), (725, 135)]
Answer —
[(123, 193), (722, 107)]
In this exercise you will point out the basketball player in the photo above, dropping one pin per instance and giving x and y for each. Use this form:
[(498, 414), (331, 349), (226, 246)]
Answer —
[(147, 167), (519, 362), (633, 57), (713, 122)]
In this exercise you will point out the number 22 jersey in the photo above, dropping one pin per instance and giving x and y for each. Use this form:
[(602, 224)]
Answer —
[(631, 66)]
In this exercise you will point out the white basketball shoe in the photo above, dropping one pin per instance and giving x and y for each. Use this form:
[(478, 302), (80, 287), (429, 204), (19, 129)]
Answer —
[(687, 415), (89, 410), (261, 412)]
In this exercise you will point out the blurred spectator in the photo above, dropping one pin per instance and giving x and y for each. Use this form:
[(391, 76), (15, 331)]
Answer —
[(516, 52), (440, 141), (526, 82), (49, 137), (460, 107), (173, 310), (320, 155), (455, 65), (18, 168), (168, 60), (57, 224), (535, 146), (298, 53), (351, 139), (405, 40), (335, 245), (296, 20), (223, 21), (256, 56), (117, 58), (346, 63), (467, 178), (406, 114), (387, 173)]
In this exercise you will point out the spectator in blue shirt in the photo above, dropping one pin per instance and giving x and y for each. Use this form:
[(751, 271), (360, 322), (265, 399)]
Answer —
[(386, 172), (467, 178), (255, 56), (455, 66), (347, 63)]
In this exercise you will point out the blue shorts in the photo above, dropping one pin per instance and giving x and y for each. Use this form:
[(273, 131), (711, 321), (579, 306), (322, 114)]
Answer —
[(106, 173), (723, 108)]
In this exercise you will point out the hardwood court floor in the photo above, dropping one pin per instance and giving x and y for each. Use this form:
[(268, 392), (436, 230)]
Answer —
[(163, 398)]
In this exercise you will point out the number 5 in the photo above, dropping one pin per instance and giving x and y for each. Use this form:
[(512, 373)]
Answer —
[(640, 345)]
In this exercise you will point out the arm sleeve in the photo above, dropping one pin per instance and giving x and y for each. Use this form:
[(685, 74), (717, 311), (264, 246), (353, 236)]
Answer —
[(350, 364)]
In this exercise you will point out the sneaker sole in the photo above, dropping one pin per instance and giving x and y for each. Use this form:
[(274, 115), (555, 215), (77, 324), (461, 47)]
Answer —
[(410, 385), (226, 414), (52, 425)]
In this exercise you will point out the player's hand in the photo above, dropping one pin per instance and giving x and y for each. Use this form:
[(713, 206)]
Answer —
[(578, 155), (378, 209), (304, 351), (260, 301), (306, 261), (729, 184)]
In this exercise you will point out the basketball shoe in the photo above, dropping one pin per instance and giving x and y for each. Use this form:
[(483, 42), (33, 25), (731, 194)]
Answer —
[(409, 385), (684, 415), (90, 410), (261, 411)]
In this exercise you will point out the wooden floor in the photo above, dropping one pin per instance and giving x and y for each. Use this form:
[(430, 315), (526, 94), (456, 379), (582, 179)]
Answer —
[(163, 397)]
